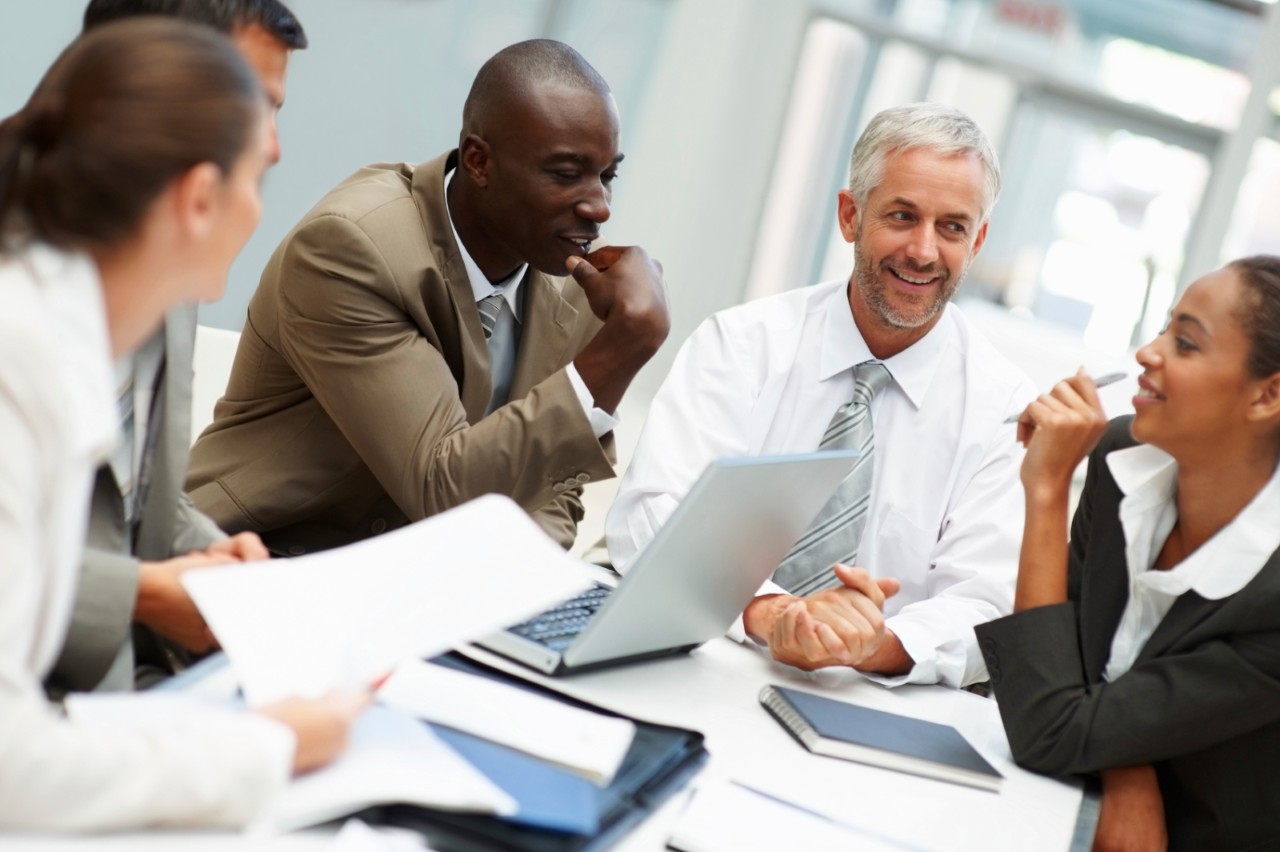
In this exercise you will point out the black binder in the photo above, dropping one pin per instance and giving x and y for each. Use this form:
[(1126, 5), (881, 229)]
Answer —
[(661, 760)]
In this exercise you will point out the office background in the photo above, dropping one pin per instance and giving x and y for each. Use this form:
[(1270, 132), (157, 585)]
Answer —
[(1140, 138)]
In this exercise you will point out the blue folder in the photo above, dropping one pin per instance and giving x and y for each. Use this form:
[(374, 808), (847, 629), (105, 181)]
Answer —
[(548, 796), (558, 810)]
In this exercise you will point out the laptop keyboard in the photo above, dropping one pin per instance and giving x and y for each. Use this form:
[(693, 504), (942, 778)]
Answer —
[(558, 626)]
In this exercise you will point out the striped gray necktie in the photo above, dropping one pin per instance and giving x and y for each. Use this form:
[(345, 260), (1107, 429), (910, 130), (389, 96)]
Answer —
[(836, 531), (126, 473), (490, 306)]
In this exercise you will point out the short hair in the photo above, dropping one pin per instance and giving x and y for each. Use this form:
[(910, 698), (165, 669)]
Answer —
[(125, 110), (1260, 313), (223, 15), (933, 127), (518, 68)]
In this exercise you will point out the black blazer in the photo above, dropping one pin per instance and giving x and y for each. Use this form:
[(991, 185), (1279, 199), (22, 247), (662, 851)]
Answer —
[(1201, 702)]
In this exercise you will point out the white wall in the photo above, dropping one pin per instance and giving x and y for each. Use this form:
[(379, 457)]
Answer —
[(701, 85)]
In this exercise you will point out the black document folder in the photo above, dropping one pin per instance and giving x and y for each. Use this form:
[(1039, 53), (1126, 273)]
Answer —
[(661, 760)]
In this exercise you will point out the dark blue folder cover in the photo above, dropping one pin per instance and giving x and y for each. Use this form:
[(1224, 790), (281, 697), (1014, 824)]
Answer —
[(549, 797), (559, 811)]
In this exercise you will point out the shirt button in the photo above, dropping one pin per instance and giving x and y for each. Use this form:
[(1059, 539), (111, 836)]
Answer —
[(558, 487), (297, 550), (583, 477), (378, 526)]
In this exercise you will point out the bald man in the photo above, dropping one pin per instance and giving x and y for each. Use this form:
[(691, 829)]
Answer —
[(414, 343)]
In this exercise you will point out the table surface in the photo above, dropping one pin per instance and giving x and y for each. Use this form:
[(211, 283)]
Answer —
[(715, 690)]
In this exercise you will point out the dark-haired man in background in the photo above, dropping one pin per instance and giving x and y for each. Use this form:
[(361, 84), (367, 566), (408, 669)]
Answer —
[(131, 610), (413, 342)]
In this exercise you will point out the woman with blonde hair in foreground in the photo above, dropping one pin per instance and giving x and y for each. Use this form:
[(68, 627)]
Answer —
[(1148, 647), (128, 183)]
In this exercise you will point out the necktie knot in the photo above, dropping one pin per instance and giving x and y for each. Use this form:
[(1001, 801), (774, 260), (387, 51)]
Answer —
[(490, 307), (869, 378)]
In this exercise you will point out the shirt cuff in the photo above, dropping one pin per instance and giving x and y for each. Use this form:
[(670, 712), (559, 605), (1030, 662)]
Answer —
[(602, 422), (738, 631), (932, 663)]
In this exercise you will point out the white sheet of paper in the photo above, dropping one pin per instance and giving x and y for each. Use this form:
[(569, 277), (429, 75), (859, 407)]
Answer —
[(392, 758), (725, 817), (588, 743), (357, 836), (344, 617)]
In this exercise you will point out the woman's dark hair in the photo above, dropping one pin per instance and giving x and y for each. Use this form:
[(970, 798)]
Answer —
[(123, 111), (1261, 312)]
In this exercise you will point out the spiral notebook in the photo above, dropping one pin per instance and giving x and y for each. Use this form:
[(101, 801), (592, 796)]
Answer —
[(879, 738)]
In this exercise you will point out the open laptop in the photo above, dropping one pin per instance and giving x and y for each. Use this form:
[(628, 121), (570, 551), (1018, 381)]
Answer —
[(706, 563)]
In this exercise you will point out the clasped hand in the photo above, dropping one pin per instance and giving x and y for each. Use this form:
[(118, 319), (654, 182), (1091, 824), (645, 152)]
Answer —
[(843, 626), (163, 603)]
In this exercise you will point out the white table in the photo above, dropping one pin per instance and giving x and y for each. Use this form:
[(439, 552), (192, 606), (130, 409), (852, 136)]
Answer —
[(714, 690)]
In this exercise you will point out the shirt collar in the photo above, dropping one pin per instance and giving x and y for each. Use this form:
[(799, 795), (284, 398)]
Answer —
[(912, 369), (1144, 473), (480, 286), (1225, 563)]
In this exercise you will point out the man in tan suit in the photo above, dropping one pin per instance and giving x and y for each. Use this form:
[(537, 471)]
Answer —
[(411, 346)]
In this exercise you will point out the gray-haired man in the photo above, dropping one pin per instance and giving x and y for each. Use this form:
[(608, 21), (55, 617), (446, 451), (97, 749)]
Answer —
[(882, 362)]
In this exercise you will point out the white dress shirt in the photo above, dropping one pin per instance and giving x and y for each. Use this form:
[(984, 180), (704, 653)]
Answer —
[(503, 351), (57, 424), (1220, 567), (947, 506)]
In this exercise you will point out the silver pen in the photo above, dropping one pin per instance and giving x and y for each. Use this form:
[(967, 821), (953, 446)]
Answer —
[(1101, 381)]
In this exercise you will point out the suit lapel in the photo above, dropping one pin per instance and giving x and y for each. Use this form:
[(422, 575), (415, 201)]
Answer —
[(544, 331), (1190, 610), (1187, 612), (475, 385), (162, 445), (1104, 594)]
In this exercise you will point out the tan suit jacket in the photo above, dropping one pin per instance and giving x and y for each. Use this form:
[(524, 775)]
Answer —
[(356, 401)]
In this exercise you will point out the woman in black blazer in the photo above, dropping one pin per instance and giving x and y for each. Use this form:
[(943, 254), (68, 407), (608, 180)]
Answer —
[(1148, 648)]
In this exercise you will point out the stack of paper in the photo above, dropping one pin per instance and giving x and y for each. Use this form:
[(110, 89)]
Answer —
[(390, 759), (590, 744), (345, 617)]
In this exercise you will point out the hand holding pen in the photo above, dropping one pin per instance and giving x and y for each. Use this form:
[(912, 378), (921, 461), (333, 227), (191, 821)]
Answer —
[(1100, 382), (1059, 429)]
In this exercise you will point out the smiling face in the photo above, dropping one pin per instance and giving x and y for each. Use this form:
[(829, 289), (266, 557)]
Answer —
[(1195, 394), (914, 238), (544, 178)]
